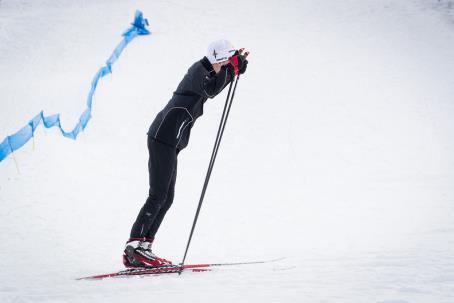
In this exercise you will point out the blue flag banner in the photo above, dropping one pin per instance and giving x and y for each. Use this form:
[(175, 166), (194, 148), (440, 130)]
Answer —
[(14, 142)]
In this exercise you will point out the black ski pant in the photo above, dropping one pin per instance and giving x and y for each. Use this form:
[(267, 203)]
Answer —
[(162, 168)]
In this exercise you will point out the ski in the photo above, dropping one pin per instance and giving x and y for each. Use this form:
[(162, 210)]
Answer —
[(168, 269)]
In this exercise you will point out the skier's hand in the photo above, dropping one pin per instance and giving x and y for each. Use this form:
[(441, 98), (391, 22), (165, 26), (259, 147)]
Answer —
[(243, 68), (239, 62)]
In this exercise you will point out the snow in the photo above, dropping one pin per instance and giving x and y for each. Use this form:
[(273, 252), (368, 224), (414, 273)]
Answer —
[(338, 153)]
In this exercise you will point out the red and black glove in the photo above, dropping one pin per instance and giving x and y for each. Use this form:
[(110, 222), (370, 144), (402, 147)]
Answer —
[(239, 62)]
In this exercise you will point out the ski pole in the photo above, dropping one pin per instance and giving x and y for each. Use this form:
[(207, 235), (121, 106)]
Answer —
[(225, 115)]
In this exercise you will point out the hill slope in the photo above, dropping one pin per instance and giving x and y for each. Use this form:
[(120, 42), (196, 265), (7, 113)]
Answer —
[(337, 155)]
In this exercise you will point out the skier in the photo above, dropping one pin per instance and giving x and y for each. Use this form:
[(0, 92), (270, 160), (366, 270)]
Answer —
[(169, 134)]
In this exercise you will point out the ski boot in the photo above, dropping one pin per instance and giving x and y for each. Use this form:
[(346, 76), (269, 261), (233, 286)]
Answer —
[(138, 253)]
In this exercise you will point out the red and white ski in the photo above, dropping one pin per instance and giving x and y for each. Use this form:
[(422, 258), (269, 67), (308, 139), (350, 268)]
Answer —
[(167, 269)]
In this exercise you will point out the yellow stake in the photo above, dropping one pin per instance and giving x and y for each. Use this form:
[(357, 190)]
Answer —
[(15, 161)]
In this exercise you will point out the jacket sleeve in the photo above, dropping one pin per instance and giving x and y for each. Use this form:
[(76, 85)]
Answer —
[(211, 86)]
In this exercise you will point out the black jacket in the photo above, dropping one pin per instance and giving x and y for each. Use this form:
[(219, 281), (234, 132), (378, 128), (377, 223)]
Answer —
[(172, 125)]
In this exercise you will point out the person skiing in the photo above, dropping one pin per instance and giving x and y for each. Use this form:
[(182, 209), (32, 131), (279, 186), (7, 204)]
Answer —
[(169, 134)]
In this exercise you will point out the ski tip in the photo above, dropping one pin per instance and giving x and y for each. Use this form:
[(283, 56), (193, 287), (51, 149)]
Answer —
[(277, 259)]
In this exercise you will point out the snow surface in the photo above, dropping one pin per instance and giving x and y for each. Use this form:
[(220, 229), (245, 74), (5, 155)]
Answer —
[(338, 154)]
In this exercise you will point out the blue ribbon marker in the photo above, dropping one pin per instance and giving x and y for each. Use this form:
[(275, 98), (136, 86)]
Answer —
[(14, 142)]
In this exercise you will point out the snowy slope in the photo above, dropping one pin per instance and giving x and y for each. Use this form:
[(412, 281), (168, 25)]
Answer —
[(338, 153)]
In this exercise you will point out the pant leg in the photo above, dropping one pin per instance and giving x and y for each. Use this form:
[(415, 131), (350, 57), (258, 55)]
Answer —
[(161, 165), (170, 194)]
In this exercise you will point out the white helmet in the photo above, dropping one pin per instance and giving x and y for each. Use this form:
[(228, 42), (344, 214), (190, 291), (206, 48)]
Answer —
[(220, 50)]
